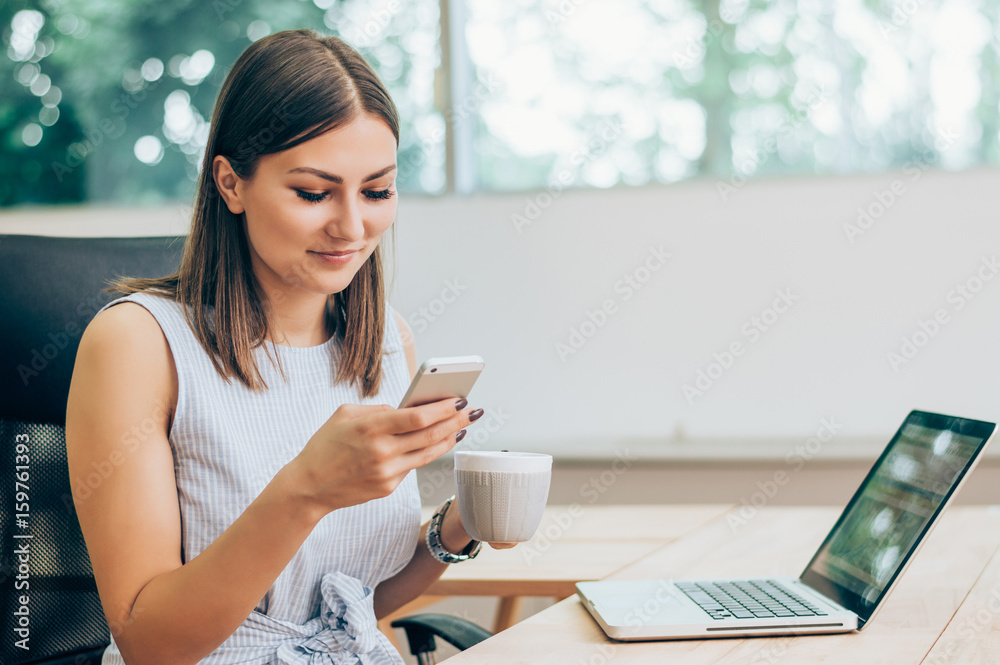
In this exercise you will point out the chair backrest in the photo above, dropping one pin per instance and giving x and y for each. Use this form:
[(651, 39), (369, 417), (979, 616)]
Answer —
[(50, 289)]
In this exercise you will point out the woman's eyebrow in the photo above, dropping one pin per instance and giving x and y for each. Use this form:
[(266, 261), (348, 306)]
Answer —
[(336, 178)]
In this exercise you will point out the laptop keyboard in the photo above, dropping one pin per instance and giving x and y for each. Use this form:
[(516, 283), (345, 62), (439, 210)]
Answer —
[(752, 599)]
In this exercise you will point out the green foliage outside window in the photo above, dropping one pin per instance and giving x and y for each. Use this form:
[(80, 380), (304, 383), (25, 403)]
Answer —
[(109, 100)]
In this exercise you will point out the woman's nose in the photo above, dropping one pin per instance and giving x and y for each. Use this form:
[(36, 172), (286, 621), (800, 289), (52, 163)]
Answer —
[(347, 222)]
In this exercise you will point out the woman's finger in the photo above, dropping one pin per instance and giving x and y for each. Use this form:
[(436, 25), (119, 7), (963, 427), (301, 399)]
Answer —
[(442, 430), (416, 418), (419, 457)]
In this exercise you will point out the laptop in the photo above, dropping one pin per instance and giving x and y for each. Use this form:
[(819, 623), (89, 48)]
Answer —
[(848, 578)]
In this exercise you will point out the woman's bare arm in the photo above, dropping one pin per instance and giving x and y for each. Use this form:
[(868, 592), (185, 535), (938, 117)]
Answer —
[(163, 611), (423, 569), (117, 420)]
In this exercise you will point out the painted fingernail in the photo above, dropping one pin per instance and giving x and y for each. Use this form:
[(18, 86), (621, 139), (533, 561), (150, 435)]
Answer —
[(461, 404), (460, 436), (475, 415)]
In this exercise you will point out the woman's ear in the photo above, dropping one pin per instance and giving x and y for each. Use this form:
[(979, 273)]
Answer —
[(226, 181)]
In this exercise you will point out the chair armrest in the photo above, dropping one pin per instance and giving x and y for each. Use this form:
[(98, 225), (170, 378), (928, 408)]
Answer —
[(422, 628)]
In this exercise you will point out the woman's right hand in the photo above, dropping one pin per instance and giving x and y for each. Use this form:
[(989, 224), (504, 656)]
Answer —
[(363, 452)]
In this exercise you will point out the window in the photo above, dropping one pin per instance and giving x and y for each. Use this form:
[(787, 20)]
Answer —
[(606, 92), (110, 101)]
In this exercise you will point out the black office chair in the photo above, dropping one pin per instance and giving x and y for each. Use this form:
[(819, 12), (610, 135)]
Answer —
[(421, 629), (50, 289)]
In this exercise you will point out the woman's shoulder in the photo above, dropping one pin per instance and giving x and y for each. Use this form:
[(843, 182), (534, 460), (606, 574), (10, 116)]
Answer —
[(394, 318), (124, 316), (401, 339), (125, 344), (128, 332), (139, 315), (397, 331)]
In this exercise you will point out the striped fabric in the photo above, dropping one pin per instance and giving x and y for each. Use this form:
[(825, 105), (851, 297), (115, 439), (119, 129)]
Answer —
[(228, 442)]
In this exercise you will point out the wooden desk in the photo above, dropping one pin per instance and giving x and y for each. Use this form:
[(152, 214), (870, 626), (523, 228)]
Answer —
[(573, 543), (945, 609)]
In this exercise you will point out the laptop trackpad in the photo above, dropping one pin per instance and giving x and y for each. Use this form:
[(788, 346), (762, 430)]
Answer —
[(641, 604)]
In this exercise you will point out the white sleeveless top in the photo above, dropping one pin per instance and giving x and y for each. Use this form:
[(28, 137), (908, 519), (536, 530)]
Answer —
[(228, 442)]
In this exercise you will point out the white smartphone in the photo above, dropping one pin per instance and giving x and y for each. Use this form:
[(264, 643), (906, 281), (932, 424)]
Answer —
[(441, 378)]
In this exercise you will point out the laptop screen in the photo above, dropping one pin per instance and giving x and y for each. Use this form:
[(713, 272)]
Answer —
[(891, 512)]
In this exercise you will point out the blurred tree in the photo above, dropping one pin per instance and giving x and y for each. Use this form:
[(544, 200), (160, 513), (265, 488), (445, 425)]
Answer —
[(731, 88), (110, 100)]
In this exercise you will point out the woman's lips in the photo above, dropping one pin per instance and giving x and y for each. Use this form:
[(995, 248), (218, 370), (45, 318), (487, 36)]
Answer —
[(335, 258)]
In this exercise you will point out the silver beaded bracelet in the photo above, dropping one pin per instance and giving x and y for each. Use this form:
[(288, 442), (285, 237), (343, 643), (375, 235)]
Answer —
[(434, 539)]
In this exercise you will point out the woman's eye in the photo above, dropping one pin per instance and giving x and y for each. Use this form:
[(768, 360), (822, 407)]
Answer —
[(379, 194), (312, 197)]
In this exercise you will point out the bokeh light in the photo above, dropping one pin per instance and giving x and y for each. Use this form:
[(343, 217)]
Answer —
[(148, 150), (31, 135)]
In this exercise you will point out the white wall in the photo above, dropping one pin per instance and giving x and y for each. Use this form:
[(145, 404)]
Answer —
[(825, 357), (522, 291)]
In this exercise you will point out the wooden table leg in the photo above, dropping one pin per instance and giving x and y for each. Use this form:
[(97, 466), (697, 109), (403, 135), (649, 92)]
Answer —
[(508, 612)]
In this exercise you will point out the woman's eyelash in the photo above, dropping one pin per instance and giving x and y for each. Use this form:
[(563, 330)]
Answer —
[(371, 194), (310, 196), (379, 194)]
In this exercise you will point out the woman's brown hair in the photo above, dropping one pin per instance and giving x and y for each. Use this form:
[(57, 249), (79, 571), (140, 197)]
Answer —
[(284, 89)]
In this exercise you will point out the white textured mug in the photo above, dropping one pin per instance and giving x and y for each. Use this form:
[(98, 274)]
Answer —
[(501, 495)]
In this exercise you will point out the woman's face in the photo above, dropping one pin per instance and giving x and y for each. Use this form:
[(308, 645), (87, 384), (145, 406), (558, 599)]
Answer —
[(315, 212)]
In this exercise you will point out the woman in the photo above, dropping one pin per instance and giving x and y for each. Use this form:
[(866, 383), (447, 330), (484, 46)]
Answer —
[(242, 522)]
